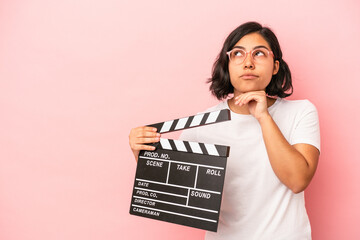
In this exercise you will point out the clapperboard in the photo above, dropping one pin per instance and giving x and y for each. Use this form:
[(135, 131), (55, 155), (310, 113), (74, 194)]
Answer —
[(182, 182)]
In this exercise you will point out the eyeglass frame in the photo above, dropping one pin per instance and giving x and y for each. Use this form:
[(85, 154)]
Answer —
[(247, 52)]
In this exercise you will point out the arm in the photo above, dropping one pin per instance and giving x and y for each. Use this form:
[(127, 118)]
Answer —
[(294, 165)]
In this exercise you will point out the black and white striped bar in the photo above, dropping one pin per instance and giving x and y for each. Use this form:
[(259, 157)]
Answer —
[(192, 121), (192, 147)]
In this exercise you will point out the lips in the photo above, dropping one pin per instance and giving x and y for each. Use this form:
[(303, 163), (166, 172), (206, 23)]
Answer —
[(248, 76)]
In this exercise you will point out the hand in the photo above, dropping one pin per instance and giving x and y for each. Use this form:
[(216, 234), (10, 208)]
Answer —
[(256, 102), (140, 135)]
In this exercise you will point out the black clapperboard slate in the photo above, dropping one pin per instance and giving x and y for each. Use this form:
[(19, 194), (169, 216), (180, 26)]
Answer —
[(182, 182)]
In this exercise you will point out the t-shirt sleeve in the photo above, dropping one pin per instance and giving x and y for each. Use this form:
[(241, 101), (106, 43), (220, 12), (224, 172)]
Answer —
[(307, 129)]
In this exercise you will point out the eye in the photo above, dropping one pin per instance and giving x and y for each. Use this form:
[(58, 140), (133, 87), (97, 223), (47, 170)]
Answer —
[(260, 53), (238, 53)]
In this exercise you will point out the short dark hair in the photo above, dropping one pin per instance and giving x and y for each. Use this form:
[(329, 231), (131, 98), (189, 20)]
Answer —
[(220, 85)]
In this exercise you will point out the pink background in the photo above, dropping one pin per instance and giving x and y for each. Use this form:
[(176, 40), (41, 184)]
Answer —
[(73, 84)]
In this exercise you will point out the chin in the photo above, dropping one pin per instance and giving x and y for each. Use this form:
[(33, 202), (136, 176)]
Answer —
[(245, 90)]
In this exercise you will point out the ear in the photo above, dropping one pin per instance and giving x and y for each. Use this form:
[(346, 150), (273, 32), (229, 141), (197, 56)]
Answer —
[(276, 67)]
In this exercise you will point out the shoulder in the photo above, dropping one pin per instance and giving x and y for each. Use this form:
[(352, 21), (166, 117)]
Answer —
[(219, 106), (299, 121), (297, 106), (295, 111)]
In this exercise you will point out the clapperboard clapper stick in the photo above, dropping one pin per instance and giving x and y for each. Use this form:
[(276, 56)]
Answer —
[(182, 182)]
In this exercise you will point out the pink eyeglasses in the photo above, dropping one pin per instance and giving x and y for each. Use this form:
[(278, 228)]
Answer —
[(259, 55)]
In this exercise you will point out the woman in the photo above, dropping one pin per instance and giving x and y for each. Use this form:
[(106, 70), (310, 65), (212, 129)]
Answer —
[(274, 143)]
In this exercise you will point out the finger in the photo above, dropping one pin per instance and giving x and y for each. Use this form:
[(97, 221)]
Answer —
[(148, 134), (258, 97), (150, 129), (143, 147), (250, 96), (241, 99), (147, 140), (141, 131), (239, 96), (242, 95), (143, 128), (136, 130)]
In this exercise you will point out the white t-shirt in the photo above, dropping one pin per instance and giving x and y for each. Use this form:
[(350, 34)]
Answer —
[(255, 204)]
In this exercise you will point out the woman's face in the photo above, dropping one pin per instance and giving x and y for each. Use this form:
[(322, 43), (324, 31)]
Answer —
[(252, 75)]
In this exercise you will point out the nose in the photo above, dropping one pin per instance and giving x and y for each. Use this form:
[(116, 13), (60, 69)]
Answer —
[(248, 62)]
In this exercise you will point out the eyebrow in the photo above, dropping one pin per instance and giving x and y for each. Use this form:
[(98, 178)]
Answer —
[(260, 46)]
